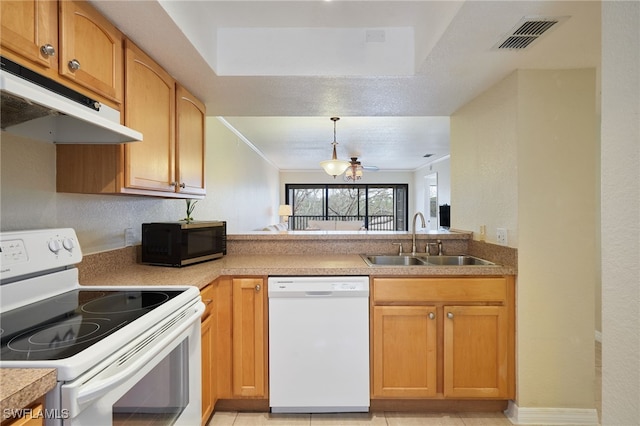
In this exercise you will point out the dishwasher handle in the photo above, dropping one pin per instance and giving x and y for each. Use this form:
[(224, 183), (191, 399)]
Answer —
[(318, 293)]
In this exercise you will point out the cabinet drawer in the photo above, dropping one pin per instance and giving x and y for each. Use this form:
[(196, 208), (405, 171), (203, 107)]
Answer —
[(208, 296), (412, 290)]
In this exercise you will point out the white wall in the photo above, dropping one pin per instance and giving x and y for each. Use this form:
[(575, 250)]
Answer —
[(524, 156), (443, 169), (484, 190), (241, 188), (620, 186)]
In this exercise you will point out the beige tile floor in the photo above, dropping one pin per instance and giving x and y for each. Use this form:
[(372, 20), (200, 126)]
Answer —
[(360, 419), (385, 419)]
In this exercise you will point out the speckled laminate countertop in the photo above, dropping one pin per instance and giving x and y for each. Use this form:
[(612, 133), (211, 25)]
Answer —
[(281, 264), (19, 387)]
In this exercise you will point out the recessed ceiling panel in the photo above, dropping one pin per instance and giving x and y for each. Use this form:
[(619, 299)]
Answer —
[(315, 51)]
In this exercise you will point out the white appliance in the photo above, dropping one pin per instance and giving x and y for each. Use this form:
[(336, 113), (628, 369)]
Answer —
[(37, 107), (318, 344), (120, 352)]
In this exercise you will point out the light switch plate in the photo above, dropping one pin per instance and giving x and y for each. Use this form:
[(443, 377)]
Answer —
[(501, 236)]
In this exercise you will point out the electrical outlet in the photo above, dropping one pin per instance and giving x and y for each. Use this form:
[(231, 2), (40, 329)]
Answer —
[(128, 237), (501, 236)]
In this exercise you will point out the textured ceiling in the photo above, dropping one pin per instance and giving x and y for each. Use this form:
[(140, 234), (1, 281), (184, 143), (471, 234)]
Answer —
[(389, 121)]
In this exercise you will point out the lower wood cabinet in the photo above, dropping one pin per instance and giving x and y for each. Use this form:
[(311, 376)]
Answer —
[(242, 338), (405, 348), (447, 338), (208, 333)]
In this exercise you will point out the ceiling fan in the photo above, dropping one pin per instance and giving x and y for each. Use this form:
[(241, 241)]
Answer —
[(355, 170)]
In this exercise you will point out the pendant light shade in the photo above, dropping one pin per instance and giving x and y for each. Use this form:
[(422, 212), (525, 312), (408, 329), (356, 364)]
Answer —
[(334, 167)]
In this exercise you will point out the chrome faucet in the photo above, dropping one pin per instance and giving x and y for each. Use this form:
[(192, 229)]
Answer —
[(413, 235)]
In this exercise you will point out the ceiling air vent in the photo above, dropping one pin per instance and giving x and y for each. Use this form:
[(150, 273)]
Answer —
[(526, 32)]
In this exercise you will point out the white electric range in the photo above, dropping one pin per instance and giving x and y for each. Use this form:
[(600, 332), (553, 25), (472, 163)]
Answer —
[(122, 353)]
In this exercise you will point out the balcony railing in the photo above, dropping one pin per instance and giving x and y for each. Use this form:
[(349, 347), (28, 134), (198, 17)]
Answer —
[(371, 222)]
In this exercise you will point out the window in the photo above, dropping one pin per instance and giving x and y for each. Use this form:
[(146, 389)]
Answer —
[(381, 207)]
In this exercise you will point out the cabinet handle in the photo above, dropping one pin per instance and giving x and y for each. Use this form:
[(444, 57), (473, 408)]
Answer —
[(174, 184), (432, 315), (258, 287), (74, 65), (48, 50), (450, 315)]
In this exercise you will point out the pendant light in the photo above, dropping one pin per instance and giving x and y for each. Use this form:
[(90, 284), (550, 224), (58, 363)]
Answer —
[(334, 167)]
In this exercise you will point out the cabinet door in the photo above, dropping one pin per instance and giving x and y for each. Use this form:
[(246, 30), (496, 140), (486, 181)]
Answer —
[(475, 352), (27, 26), (91, 51), (207, 369), (404, 351), (190, 143), (208, 332), (150, 109), (249, 337)]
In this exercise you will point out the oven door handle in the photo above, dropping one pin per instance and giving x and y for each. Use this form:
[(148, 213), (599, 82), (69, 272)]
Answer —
[(135, 362)]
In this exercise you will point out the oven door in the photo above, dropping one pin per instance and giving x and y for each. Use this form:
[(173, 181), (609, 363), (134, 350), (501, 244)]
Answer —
[(155, 380)]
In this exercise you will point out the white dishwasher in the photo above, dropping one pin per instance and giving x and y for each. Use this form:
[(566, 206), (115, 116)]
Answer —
[(318, 344)]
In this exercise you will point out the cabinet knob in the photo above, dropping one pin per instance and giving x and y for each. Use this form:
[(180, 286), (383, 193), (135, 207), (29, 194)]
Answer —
[(182, 185), (432, 315), (174, 184), (48, 50), (74, 65), (450, 315), (258, 287)]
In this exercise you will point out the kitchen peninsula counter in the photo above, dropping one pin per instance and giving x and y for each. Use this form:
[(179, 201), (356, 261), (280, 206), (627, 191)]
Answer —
[(202, 274), (296, 253)]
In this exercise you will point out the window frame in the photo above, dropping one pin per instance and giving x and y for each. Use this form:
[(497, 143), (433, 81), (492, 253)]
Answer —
[(401, 218)]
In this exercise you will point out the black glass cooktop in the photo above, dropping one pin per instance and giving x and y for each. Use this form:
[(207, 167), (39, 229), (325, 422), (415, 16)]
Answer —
[(64, 325)]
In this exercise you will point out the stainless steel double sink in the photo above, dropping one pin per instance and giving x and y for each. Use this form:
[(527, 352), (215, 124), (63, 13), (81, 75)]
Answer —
[(424, 260)]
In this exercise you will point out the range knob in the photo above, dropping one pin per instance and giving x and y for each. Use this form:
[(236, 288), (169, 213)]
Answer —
[(68, 244), (55, 246)]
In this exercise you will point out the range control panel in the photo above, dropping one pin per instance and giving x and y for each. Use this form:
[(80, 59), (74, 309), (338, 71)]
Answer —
[(30, 252)]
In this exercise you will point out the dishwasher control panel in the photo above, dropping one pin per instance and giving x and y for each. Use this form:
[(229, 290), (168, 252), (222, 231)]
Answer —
[(351, 286)]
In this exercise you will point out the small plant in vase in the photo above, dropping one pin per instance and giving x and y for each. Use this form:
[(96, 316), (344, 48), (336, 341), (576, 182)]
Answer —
[(191, 205)]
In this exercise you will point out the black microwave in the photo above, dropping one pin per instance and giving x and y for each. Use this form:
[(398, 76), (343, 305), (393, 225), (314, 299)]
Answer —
[(181, 243)]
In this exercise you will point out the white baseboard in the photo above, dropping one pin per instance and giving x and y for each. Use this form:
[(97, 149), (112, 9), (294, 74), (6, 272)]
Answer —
[(599, 336), (551, 416)]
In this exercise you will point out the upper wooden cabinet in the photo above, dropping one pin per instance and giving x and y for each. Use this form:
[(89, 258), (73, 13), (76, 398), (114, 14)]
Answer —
[(67, 41), (168, 162), (149, 108), (90, 50), (29, 34), (190, 146)]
